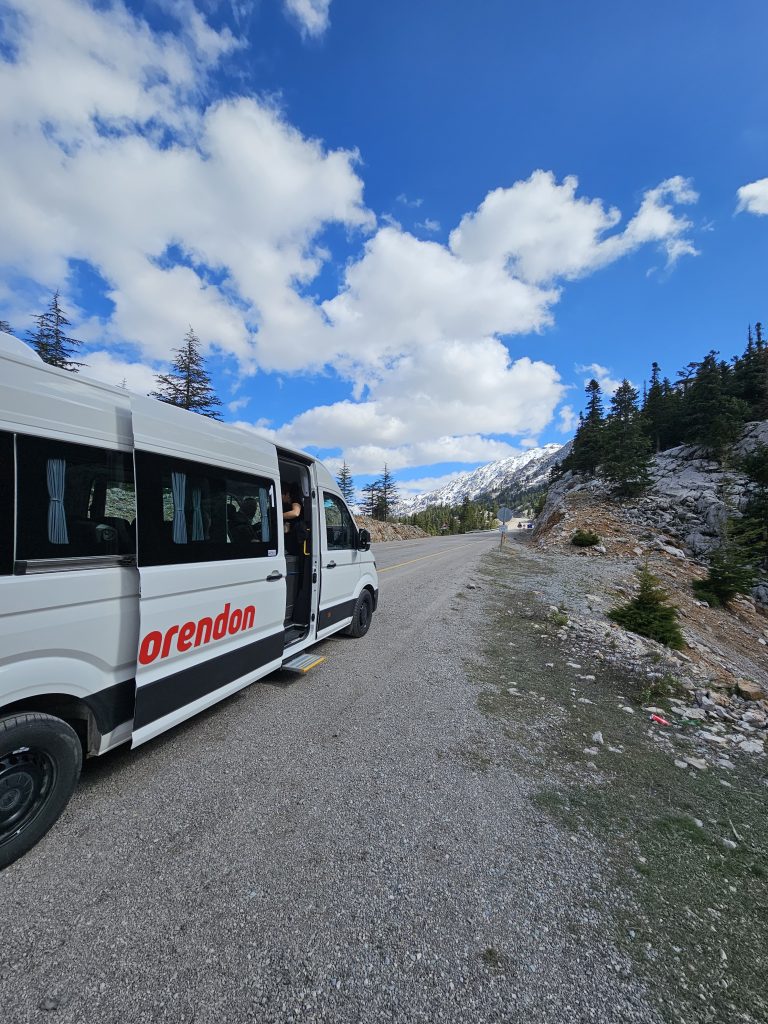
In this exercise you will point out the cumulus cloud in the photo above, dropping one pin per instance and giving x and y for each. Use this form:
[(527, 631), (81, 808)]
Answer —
[(541, 230), (312, 16), (754, 198)]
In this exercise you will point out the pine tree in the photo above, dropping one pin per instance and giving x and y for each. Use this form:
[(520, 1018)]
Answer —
[(587, 451), (388, 494), (370, 503), (5, 327), (713, 418), (346, 483), (188, 385), (649, 614), (661, 412), (50, 340), (626, 457), (733, 566)]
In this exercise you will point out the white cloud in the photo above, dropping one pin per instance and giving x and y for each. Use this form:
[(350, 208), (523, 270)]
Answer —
[(568, 420), (426, 483), (754, 198), (412, 203), (111, 369), (313, 16), (541, 231), (429, 225), (602, 374)]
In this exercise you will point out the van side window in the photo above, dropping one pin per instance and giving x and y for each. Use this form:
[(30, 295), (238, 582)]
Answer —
[(339, 525), (73, 500), (7, 490), (192, 512)]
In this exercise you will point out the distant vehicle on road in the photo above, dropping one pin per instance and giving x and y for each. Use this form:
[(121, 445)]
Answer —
[(145, 573)]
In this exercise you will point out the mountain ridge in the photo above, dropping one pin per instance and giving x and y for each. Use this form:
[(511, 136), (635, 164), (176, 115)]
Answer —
[(520, 472)]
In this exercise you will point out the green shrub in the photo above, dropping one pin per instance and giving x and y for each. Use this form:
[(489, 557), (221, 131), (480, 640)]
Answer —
[(585, 539), (732, 567), (648, 614)]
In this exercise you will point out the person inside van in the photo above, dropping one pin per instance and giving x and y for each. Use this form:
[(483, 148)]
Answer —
[(292, 513)]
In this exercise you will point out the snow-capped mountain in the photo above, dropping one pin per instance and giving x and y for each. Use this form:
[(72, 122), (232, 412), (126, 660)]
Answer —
[(519, 472)]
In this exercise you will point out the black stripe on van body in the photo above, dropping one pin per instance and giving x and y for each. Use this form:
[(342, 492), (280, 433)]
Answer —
[(337, 612), (174, 691)]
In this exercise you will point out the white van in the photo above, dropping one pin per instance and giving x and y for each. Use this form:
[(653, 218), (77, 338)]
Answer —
[(145, 574)]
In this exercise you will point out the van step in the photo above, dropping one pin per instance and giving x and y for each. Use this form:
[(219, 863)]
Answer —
[(302, 663)]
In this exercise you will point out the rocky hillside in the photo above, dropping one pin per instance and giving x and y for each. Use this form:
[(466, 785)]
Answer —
[(516, 473), (388, 531), (724, 664)]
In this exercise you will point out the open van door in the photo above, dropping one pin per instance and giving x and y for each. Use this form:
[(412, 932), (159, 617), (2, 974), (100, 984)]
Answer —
[(340, 563), (211, 564)]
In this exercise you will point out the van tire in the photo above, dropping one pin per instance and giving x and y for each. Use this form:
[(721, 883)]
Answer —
[(361, 616), (40, 762)]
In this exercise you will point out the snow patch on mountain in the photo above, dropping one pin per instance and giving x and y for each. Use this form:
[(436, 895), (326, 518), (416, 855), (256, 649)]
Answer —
[(528, 469)]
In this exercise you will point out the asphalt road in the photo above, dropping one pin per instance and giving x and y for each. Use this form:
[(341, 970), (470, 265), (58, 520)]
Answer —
[(317, 848)]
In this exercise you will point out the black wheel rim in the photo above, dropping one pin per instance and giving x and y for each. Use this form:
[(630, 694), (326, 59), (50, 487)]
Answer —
[(363, 616), (27, 779)]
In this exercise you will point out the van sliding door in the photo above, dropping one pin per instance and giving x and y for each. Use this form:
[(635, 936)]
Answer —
[(212, 573)]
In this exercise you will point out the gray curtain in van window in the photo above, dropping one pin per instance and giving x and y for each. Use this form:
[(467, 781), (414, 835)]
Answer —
[(57, 517), (179, 492), (198, 533), (264, 509)]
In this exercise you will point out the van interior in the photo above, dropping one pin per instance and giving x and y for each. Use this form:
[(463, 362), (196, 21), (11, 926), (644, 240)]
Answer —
[(295, 479)]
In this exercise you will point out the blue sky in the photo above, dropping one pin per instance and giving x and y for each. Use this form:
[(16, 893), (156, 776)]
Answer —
[(404, 232)]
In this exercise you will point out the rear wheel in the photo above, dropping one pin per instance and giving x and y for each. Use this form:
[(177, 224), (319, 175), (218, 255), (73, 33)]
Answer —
[(361, 616), (40, 761)]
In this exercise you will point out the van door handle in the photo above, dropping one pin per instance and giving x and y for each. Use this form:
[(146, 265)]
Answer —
[(273, 576), (331, 565)]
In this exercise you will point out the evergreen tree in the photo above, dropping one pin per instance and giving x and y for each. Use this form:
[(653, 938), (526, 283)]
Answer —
[(626, 457), (188, 385), (649, 614), (712, 417), (661, 410), (587, 451), (346, 484), (754, 523), (50, 341), (5, 327), (388, 494), (371, 503), (733, 566)]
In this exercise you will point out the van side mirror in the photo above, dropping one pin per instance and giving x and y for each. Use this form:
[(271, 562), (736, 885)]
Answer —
[(363, 540)]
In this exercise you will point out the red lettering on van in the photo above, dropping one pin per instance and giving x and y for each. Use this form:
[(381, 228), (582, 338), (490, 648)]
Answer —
[(158, 645)]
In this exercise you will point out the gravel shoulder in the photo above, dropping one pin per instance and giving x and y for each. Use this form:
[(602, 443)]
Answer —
[(394, 837)]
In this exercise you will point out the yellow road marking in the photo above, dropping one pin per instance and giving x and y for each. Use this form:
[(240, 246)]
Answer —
[(422, 557)]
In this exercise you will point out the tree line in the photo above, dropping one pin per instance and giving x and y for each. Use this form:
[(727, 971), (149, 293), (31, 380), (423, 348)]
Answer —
[(707, 406)]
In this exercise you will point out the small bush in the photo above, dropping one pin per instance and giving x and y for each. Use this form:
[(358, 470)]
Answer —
[(585, 539), (648, 614)]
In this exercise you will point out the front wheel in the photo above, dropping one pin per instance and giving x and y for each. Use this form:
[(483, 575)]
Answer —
[(361, 616), (40, 761)]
